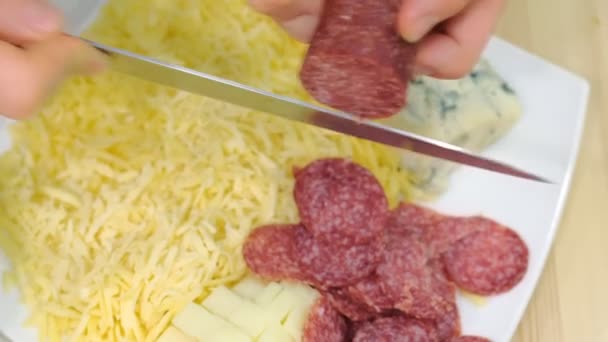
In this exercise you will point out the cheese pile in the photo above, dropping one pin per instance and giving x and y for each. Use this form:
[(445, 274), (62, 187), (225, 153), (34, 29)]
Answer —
[(124, 201), (252, 310)]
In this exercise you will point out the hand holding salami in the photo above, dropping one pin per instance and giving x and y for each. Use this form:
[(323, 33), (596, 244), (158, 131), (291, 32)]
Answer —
[(450, 34)]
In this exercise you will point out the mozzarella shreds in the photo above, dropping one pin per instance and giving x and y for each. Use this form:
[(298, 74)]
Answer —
[(123, 200)]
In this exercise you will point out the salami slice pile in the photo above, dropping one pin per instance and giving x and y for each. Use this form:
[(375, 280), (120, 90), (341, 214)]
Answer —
[(384, 275)]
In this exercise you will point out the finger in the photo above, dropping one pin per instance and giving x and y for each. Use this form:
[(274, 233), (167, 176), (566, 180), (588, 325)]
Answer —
[(452, 52), (30, 74), (417, 17), (27, 20), (284, 10), (301, 28)]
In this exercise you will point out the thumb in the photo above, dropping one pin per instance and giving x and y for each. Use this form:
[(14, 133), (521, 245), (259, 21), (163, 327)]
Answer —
[(63, 56), (39, 68), (418, 17)]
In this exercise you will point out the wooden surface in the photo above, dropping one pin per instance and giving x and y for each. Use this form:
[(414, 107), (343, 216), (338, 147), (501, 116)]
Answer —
[(571, 301)]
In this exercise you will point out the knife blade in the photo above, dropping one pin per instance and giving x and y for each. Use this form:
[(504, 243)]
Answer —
[(218, 88)]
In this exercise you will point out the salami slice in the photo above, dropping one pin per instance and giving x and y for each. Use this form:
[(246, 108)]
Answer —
[(356, 61), (488, 262), (269, 252), (340, 202), (452, 229), (407, 279), (469, 339), (409, 218), (404, 280), (352, 328), (403, 270), (326, 265), (448, 323), (440, 282), (324, 323), (347, 306), (437, 231), (396, 280), (369, 292), (395, 329)]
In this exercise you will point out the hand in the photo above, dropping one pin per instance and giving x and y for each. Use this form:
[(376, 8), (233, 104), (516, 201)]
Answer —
[(450, 34), (35, 56)]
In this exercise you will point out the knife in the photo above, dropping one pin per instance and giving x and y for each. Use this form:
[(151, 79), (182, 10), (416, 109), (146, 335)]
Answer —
[(238, 94)]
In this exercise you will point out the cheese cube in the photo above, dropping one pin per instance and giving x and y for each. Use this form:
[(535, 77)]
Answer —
[(294, 324), (268, 294), (249, 288), (195, 321), (172, 334), (222, 302), (275, 333), (281, 305), (226, 335), (251, 318), (305, 294)]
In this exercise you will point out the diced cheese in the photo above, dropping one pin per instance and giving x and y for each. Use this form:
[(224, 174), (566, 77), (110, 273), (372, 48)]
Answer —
[(305, 293), (251, 318), (227, 335), (294, 325), (275, 333), (268, 294), (282, 304), (172, 334), (223, 302), (250, 287), (278, 316), (195, 321)]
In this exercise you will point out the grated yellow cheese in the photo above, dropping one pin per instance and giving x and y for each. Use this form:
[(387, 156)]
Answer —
[(125, 200)]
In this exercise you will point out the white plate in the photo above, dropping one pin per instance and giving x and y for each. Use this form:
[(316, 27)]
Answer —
[(545, 141)]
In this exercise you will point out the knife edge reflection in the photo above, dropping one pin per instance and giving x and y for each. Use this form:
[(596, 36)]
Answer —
[(241, 95)]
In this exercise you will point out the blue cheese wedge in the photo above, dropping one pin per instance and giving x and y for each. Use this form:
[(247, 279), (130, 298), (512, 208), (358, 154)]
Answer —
[(472, 112)]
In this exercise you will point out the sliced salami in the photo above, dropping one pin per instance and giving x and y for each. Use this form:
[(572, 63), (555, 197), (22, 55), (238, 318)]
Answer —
[(340, 202), (469, 339), (352, 309), (369, 292), (352, 328), (326, 265), (407, 279), (424, 304), (404, 280), (437, 231), (409, 218), (450, 230), (403, 271), (488, 262), (324, 323), (395, 329), (448, 323), (440, 282), (357, 62), (270, 252)]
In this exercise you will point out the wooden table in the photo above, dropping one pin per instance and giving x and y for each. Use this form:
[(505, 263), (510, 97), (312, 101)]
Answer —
[(571, 301)]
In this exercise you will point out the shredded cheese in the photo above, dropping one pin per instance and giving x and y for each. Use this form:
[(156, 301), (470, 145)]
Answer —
[(125, 200)]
